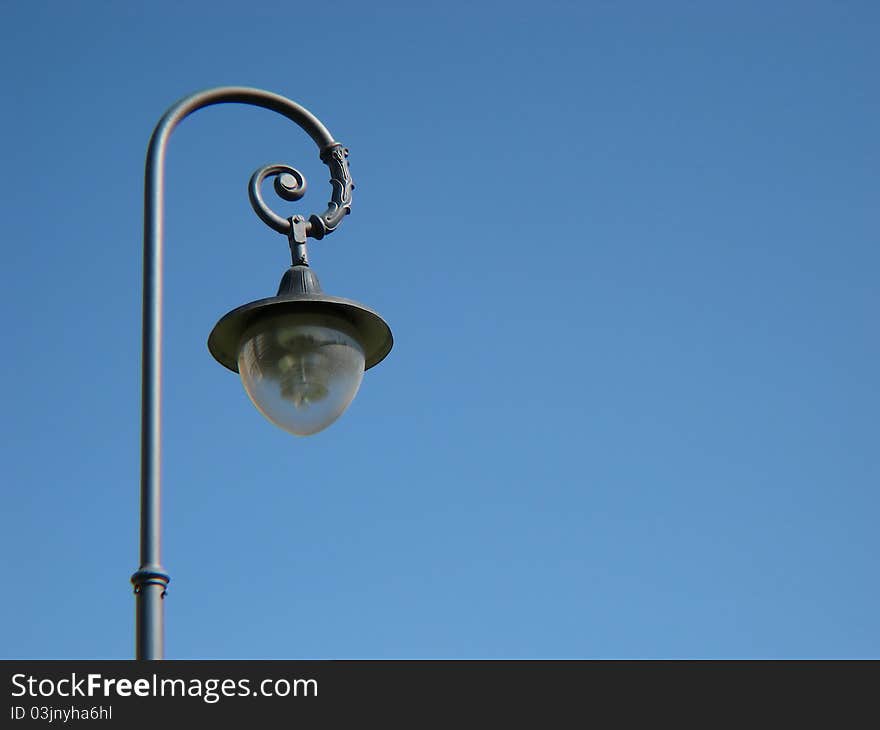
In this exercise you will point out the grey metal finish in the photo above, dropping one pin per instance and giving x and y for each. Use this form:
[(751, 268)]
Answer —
[(151, 579), (290, 184), (300, 291)]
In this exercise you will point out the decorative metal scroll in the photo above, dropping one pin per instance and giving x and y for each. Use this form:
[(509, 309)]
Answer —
[(290, 184)]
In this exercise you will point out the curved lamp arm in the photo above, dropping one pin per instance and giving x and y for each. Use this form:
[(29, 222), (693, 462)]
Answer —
[(150, 580)]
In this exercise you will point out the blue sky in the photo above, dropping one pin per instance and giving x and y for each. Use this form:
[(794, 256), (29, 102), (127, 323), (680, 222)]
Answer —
[(629, 253)]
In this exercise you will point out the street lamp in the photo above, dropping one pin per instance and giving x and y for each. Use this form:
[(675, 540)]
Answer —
[(301, 354)]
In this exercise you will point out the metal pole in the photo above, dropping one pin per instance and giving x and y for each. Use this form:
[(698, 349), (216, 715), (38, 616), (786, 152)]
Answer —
[(151, 580)]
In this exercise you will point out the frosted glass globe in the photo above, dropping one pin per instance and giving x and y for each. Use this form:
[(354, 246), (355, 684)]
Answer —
[(301, 370)]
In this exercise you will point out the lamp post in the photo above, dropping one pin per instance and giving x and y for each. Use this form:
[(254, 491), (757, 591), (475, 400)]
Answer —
[(301, 354)]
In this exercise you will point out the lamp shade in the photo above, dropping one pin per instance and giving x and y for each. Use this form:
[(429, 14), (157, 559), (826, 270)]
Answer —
[(301, 354)]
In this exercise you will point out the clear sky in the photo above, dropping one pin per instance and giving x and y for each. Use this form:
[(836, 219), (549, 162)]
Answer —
[(629, 252)]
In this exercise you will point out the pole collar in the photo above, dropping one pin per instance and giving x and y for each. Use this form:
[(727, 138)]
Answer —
[(150, 575)]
